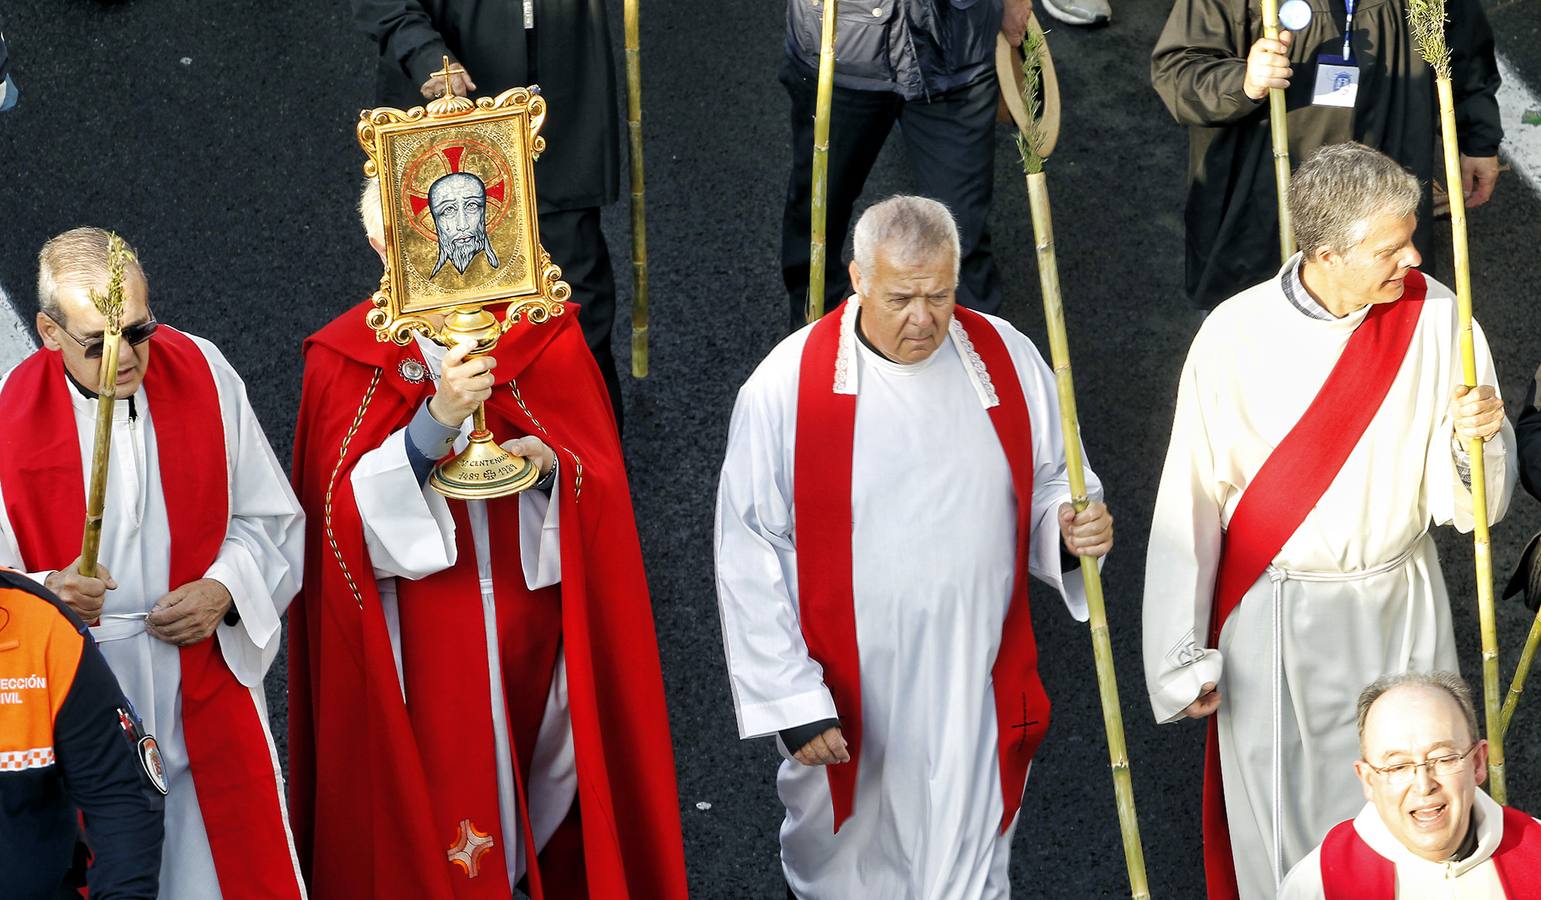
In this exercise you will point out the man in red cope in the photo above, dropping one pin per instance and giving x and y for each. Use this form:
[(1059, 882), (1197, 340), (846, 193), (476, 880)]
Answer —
[(1426, 830), (1318, 435), (874, 593), (202, 543), (475, 696)]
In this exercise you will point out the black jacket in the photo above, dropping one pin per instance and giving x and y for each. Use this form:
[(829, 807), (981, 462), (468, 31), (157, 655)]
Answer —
[(1527, 428), (69, 743), (915, 48), (567, 53)]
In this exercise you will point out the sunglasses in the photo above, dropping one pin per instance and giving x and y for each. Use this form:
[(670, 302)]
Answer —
[(134, 335)]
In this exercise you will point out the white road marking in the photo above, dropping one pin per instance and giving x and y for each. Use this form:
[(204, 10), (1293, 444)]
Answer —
[(1522, 143), (16, 340)]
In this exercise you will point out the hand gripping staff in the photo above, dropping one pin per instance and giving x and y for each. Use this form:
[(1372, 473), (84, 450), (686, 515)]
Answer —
[(1427, 20), (110, 305), (1031, 147), (638, 194), (1281, 142)]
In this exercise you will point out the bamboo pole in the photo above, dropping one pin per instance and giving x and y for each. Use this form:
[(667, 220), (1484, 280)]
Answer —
[(96, 500), (1059, 354), (1281, 142), (1521, 672), (638, 193), (1102, 646), (110, 305), (1427, 21), (820, 174)]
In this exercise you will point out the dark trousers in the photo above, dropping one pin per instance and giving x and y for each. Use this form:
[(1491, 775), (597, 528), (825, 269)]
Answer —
[(951, 145), (575, 242)]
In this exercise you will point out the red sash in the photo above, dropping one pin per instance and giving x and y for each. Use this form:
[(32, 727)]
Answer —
[(1351, 870), (444, 670), (1283, 492), (229, 755), (826, 430)]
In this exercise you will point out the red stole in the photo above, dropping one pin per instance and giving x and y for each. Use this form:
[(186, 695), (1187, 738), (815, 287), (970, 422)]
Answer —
[(1351, 870), (238, 791), (826, 432), (1284, 491), (444, 654)]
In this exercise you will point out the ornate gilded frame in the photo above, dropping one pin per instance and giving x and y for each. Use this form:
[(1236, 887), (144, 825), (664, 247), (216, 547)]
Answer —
[(497, 141)]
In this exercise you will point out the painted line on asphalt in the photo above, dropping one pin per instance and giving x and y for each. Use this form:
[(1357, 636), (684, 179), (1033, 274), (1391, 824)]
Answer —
[(1522, 142), (15, 337)]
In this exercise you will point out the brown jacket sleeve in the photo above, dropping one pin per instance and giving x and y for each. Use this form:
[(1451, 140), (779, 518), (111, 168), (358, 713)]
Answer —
[(1200, 63)]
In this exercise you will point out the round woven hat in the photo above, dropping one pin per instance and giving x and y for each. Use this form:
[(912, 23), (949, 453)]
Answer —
[(1008, 72)]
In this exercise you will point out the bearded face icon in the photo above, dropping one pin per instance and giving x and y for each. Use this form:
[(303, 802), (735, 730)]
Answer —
[(458, 203)]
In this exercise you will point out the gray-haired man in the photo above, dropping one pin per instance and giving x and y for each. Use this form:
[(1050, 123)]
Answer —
[(905, 760), (1315, 443)]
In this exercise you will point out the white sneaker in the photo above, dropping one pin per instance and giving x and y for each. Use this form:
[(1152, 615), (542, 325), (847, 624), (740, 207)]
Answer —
[(1079, 12)]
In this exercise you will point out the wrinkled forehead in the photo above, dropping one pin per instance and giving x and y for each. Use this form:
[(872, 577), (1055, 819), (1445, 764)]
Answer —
[(1412, 720), (73, 295), (930, 268), (459, 186)]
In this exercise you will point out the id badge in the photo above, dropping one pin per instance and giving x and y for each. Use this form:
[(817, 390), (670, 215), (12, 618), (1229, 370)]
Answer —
[(1337, 82)]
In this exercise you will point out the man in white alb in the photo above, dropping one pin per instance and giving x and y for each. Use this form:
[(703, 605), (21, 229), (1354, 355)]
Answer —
[(893, 473), (1317, 438), (201, 552)]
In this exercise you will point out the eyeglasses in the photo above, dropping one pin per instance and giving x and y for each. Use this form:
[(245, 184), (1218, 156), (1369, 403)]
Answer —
[(135, 335), (1403, 774)]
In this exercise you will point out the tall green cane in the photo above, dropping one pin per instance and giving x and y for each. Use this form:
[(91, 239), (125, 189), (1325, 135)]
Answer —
[(1281, 142), (1059, 353), (1427, 20), (638, 194), (820, 185)]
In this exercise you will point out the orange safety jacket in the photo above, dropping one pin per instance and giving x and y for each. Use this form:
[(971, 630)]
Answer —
[(75, 765)]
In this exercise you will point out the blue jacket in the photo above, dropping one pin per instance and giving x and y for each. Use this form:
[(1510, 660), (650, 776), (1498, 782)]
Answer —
[(915, 48)]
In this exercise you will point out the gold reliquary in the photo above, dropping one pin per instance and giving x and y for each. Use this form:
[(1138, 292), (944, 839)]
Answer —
[(462, 238)]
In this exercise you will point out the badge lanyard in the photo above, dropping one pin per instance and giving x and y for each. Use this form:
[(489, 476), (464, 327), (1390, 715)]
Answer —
[(1348, 30), (1337, 77)]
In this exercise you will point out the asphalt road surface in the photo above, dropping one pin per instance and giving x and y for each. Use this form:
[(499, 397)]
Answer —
[(219, 138)]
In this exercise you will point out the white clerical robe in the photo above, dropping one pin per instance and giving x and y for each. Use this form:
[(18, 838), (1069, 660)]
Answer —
[(410, 534), (933, 538), (1354, 594), (260, 563), (1472, 878)]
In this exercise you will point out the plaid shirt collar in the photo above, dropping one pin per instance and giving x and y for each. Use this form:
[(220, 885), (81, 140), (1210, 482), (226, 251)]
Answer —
[(1295, 292)]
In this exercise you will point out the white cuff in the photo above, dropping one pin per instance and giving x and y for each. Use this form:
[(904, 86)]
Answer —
[(408, 528), (540, 535), (251, 645), (1181, 686), (760, 719)]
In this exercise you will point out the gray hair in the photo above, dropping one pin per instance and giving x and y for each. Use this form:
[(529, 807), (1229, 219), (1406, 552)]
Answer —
[(1449, 682), (909, 229), (369, 210), (76, 258), (1339, 189)]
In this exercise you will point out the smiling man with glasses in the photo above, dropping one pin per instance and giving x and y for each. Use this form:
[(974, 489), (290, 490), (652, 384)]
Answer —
[(1426, 831)]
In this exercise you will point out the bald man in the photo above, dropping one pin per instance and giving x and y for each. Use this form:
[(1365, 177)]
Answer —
[(201, 549), (1425, 830)]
